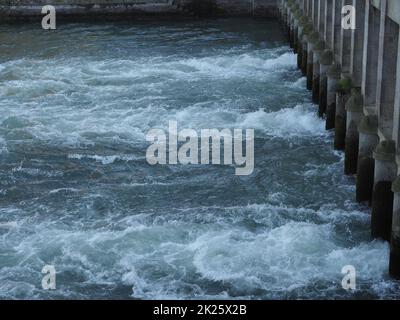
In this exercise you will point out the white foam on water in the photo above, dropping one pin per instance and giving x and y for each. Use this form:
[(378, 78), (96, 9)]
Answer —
[(244, 65), (300, 120), (64, 189), (9, 225), (299, 84), (42, 91), (164, 260), (109, 159), (35, 172), (293, 255), (208, 252)]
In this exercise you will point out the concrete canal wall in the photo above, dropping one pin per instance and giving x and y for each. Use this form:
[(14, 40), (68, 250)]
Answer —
[(354, 75), (20, 9)]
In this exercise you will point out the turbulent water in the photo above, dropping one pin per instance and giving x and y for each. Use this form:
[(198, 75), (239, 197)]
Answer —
[(76, 191)]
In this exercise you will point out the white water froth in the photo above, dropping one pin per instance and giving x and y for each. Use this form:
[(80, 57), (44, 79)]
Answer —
[(288, 122), (104, 159), (43, 93), (179, 254), (244, 65), (294, 255), (299, 84)]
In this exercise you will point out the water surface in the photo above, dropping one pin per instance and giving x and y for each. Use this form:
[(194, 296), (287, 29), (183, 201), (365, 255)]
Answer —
[(76, 191)]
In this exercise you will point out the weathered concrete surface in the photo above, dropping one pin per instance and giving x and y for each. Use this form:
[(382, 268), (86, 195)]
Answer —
[(237, 7), (370, 57), (20, 9), (26, 9)]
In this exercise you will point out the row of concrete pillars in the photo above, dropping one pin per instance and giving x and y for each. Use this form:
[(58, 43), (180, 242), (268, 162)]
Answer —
[(354, 76)]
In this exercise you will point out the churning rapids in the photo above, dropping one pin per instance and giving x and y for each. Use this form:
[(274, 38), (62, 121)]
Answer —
[(76, 191)]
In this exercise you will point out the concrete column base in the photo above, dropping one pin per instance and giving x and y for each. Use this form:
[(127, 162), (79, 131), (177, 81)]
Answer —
[(304, 29), (295, 38), (318, 50), (333, 77), (394, 263), (299, 56), (342, 95), (291, 35), (354, 110), (326, 60), (382, 197), (304, 59), (310, 68), (368, 140), (311, 40)]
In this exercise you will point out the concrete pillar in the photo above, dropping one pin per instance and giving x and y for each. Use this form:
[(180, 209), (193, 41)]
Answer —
[(315, 6), (344, 91), (304, 57), (321, 18), (311, 41), (387, 64), (328, 24), (289, 5), (394, 264), (354, 106), (368, 140), (291, 27), (354, 110), (337, 28), (302, 23), (345, 44), (370, 56), (333, 78), (342, 95), (357, 43), (396, 117), (303, 6), (307, 9), (326, 61), (296, 16), (317, 52), (307, 30), (299, 47), (382, 198), (284, 16)]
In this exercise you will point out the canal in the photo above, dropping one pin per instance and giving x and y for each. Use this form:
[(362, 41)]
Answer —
[(77, 193)]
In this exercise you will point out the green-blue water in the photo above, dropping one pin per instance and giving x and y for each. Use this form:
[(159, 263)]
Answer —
[(76, 191)]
